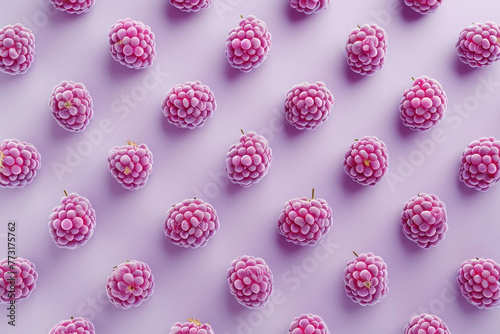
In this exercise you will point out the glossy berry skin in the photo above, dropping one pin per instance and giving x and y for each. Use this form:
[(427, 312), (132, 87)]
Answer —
[(308, 324), (19, 163), (426, 324), (309, 6), (479, 282), (424, 6), (366, 161), (24, 278), (73, 6), (131, 165), (480, 164), (192, 326), (77, 325), (366, 49), (17, 49), (190, 5), (479, 44)]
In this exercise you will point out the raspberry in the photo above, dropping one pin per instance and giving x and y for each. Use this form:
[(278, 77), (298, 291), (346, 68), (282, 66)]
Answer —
[(426, 323), (71, 106), (74, 326), (424, 220), (17, 49), (305, 221), (424, 6), (131, 164), (479, 44), (480, 164), (191, 5), (192, 326), (22, 273), (19, 162), (130, 284), (309, 6), (73, 6), (189, 105), (132, 44), (423, 105), (366, 49), (308, 105), (248, 45), (365, 279), (366, 161), (72, 223), (250, 281), (308, 324), (191, 223), (248, 161), (478, 280)]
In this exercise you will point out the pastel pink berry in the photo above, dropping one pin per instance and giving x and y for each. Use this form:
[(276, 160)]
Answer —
[(191, 5), (17, 49), (308, 324), (367, 160), (248, 45), (250, 281), (365, 279), (480, 164), (307, 106), (426, 324), (309, 6), (189, 105), (191, 223), (73, 6), (366, 49), (18, 275), (131, 164), (130, 284), (479, 282), (132, 43), (72, 223), (424, 220), (248, 161), (305, 221), (424, 6), (77, 325), (71, 105), (192, 326), (19, 163), (478, 45), (423, 104)]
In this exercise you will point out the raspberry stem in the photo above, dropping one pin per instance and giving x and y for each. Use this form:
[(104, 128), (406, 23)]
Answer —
[(242, 132), (355, 253), (67, 104), (1, 159), (366, 162), (312, 195), (413, 78), (194, 321), (358, 26), (367, 284), (241, 16), (131, 143), (65, 193)]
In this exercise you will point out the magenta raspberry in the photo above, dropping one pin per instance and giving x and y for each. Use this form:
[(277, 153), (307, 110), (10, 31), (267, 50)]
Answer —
[(479, 44), (308, 324), (71, 105), (192, 326), (479, 282), (250, 281), (77, 325), (73, 6), (248, 45), (480, 164), (424, 6), (132, 43), (366, 160), (426, 323), (307, 106), (189, 105), (19, 163), (24, 282), (191, 5), (131, 164), (309, 6), (366, 49), (17, 49)]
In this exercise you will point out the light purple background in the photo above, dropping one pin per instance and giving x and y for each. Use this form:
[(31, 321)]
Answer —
[(192, 283)]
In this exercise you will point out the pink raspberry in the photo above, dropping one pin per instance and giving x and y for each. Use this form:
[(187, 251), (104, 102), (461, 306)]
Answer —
[(250, 281), (479, 44), (72, 223), (189, 105), (308, 105), (366, 161), (426, 324), (365, 279), (19, 162), (17, 49), (424, 220), (423, 105), (191, 5), (71, 106), (479, 282), (131, 164), (480, 164), (191, 223), (305, 221), (366, 49), (192, 326), (132, 44), (309, 6), (73, 6), (308, 324), (424, 6), (248, 161), (248, 45), (130, 284), (73, 326), (21, 272)]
